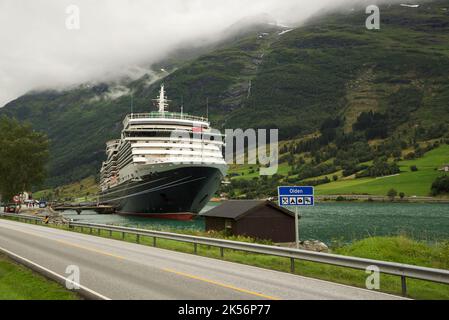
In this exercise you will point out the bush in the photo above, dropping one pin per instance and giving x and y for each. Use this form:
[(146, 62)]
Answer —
[(392, 194), (414, 168), (410, 156), (380, 168), (440, 185)]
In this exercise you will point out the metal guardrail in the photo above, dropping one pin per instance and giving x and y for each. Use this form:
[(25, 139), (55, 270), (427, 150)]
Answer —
[(392, 268), (21, 216)]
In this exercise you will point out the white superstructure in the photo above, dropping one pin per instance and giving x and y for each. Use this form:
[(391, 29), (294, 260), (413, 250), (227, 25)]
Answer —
[(159, 141)]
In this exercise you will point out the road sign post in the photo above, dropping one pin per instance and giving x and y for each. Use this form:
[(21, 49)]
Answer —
[(297, 227), (296, 197)]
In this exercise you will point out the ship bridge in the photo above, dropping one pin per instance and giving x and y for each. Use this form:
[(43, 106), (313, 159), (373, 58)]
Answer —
[(139, 120)]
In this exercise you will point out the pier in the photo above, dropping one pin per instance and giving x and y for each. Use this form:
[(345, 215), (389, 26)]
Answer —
[(100, 209)]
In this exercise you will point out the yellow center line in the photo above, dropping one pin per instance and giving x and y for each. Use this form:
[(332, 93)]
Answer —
[(166, 270), (92, 249), (221, 284)]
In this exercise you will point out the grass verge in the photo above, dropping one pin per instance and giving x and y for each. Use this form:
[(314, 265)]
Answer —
[(20, 283)]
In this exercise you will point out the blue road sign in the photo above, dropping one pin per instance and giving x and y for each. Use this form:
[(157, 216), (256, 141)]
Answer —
[(296, 196)]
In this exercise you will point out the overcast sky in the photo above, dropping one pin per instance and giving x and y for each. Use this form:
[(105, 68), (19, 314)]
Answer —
[(38, 50)]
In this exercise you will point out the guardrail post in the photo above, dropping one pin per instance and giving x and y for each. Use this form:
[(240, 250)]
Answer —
[(91, 230), (154, 242), (123, 236), (110, 233), (99, 231), (82, 229), (404, 285), (195, 248), (222, 252), (292, 265), (138, 238)]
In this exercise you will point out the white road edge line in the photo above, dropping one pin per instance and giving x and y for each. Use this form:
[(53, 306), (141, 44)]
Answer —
[(53, 275), (56, 231)]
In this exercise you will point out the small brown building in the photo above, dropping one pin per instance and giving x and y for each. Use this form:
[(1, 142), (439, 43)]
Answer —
[(255, 219)]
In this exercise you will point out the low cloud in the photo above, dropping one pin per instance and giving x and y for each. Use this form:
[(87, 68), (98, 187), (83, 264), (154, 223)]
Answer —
[(116, 37)]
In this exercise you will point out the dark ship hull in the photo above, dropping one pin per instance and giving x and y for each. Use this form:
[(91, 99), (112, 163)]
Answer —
[(174, 194)]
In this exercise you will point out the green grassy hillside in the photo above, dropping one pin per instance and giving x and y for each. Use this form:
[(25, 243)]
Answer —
[(330, 67), (81, 191), (411, 183)]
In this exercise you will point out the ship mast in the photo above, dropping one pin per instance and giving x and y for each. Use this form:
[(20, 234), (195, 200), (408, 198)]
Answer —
[(162, 101)]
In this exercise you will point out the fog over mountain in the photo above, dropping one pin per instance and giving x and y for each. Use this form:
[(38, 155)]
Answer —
[(117, 38)]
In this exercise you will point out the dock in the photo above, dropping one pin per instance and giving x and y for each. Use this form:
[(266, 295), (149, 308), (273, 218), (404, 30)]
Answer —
[(100, 209)]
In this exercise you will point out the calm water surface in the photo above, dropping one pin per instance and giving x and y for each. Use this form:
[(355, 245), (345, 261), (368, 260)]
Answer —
[(327, 222)]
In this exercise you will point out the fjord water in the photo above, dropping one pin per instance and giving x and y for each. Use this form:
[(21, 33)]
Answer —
[(327, 222), (347, 222)]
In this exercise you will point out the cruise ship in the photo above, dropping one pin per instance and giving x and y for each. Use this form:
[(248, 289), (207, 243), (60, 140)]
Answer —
[(165, 165)]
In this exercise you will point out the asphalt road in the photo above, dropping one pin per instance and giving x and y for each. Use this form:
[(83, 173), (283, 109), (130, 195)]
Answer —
[(120, 270)]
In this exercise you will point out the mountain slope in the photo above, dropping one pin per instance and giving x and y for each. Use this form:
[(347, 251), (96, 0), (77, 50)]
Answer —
[(269, 78)]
